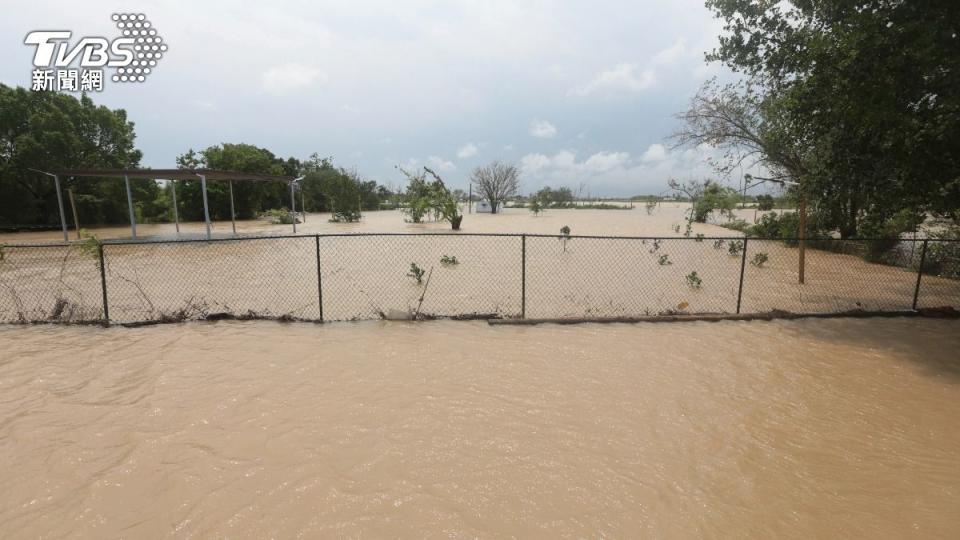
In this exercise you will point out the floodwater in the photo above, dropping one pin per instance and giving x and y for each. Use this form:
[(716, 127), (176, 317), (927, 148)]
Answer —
[(801, 429), (627, 222), (365, 277)]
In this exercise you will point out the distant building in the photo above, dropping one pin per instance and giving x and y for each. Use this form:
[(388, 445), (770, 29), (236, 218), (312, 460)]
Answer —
[(483, 207)]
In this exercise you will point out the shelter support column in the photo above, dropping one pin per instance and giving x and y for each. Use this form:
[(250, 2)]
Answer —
[(206, 207), (73, 208), (233, 214), (176, 214), (293, 207), (63, 216), (133, 219)]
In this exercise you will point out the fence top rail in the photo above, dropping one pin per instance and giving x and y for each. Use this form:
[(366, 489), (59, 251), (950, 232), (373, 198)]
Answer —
[(125, 242)]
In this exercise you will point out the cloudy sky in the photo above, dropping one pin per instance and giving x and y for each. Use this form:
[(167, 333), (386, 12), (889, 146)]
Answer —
[(572, 93)]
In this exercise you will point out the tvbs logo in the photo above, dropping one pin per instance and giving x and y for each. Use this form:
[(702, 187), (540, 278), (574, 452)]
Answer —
[(60, 66)]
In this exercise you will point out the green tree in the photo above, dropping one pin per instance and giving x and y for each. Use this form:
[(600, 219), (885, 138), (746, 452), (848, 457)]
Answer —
[(870, 87), (250, 198), (46, 130)]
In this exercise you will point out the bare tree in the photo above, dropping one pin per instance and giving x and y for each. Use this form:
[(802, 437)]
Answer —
[(496, 182), (743, 122)]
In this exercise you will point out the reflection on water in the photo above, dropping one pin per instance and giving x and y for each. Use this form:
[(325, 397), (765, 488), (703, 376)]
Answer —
[(449, 429)]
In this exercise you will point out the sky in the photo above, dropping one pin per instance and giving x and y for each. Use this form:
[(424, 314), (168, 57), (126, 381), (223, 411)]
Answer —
[(573, 93)]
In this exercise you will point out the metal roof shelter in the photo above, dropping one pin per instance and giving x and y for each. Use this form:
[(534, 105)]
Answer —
[(172, 175)]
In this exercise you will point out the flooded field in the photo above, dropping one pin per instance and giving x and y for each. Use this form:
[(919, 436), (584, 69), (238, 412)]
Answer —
[(365, 277), (800, 429), (628, 222)]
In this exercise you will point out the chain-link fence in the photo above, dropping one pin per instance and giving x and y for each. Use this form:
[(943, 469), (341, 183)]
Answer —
[(371, 276)]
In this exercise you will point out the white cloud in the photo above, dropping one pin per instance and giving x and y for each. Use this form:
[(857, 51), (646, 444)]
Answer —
[(287, 78), (542, 129), (671, 54), (622, 77), (440, 164), (564, 163), (604, 161), (467, 150), (532, 163), (655, 152)]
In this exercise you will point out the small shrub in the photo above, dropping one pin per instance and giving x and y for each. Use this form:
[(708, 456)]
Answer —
[(344, 216), (536, 206), (89, 245), (718, 243), (449, 260), (765, 202), (735, 247), (698, 238), (736, 225), (651, 205), (278, 216), (676, 229), (564, 236), (759, 259), (416, 273), (664, 260), (656, 246), (693, 280)]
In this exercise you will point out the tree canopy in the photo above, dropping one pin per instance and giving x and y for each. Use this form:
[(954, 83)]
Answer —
[(863, 93), (46, 130)]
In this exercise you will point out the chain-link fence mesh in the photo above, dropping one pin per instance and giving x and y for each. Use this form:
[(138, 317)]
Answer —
[(49, 283), (839, 276), (263, 277), (370, 276), (624, 277), (941, 275)]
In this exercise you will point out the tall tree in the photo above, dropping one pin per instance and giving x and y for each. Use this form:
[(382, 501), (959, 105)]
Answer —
[(871, 86), (46, 130), (496, 182)]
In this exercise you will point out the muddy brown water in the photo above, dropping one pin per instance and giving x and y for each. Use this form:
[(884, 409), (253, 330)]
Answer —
[(363, 277), (800, 429)]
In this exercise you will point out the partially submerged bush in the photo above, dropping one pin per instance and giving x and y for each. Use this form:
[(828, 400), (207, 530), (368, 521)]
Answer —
[(651, 205), (759, 259), (345, 216), (664, 260), (416, 272), (449, 260), (279, 216), (736, 225), (735, 247), (693, 280), (785, 226)]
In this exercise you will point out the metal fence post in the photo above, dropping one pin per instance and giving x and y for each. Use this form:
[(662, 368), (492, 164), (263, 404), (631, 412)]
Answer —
[(923, 259), (319, 282), (743, 265), (103, 284), (523, 277)]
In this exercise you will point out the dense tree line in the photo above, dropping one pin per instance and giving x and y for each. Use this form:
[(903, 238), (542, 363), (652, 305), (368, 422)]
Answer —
[(47, 131)]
